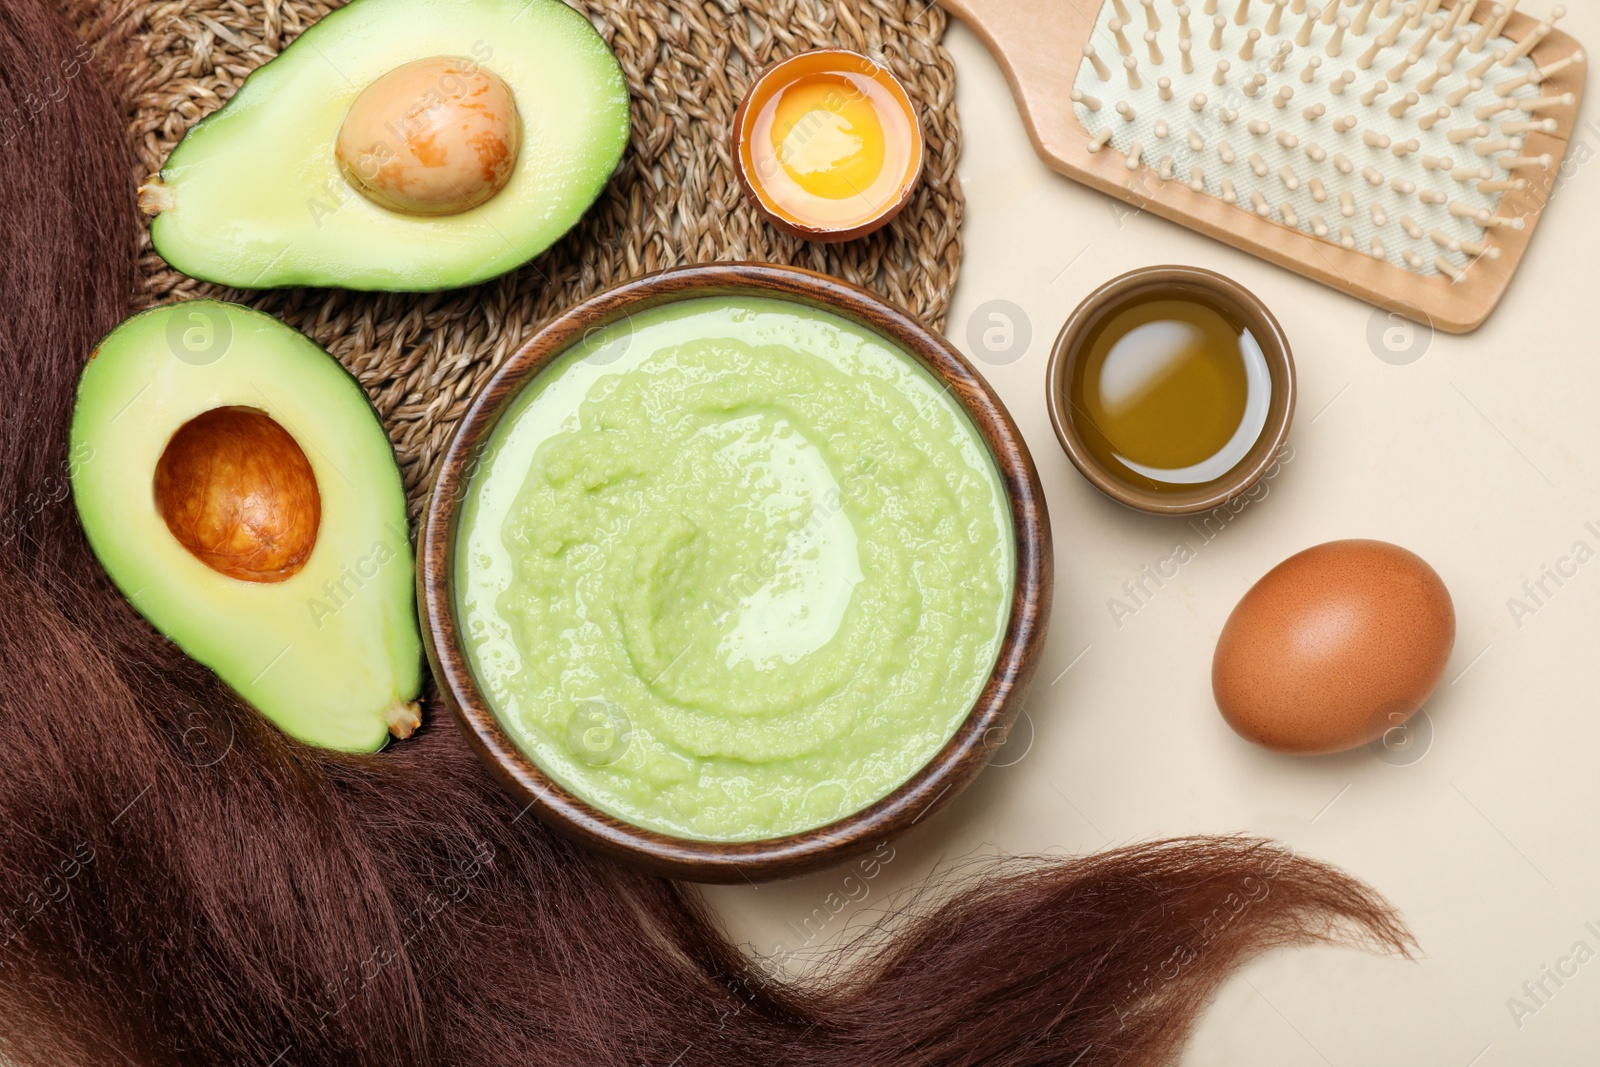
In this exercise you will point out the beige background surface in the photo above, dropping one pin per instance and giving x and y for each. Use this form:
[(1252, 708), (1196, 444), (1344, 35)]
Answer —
[(1482, 453)]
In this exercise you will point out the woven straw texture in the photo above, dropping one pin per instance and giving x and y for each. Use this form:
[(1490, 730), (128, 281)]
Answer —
[(675, 199)]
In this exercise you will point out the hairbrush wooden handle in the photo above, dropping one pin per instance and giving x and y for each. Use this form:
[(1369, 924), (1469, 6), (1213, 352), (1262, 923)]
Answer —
[(1039, 45)]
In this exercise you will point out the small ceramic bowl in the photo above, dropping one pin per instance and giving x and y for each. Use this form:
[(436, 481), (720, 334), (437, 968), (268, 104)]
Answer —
[(950, 770), (1113, 297), (761, 178)]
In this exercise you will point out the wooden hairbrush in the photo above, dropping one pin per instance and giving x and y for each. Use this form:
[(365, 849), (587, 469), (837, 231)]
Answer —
[(1399, 152)]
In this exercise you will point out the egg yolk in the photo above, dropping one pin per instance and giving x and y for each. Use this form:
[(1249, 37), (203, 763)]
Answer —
[(433, 137), (828, 136), (827, 147)]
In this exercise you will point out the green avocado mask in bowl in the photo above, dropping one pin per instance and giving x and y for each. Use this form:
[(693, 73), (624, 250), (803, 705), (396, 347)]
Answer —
[(734, 569)]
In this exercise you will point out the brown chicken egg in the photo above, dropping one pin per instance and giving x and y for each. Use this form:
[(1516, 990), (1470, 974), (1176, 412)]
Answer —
[(1334, 647)]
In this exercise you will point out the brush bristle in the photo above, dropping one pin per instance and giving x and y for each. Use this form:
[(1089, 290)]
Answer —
[(1394, 130)]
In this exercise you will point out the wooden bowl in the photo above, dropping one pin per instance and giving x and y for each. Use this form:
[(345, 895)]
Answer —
[(951, 769), (1247, 308)]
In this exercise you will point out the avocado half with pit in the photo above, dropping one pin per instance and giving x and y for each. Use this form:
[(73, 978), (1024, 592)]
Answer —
[(398, 145), (235, 483)]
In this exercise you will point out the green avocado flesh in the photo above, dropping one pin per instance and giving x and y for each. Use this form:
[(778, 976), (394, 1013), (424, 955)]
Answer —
[(331, 654), (253, 196), (734, 568)]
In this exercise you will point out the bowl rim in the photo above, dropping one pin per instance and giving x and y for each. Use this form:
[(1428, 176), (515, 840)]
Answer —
[(954, 766), (1280, 364), (828, 234)]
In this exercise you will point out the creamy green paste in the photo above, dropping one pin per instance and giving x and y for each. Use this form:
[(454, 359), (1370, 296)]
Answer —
[(734, 568)]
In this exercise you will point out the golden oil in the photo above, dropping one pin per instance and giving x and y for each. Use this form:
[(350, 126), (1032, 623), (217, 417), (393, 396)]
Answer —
[(1171, 390)]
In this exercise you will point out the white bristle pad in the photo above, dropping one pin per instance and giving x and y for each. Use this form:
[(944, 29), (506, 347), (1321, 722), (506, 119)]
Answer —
[(1273, 127)]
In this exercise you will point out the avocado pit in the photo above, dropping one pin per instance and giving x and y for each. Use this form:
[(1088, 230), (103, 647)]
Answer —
[(236, 490), (432, 137)]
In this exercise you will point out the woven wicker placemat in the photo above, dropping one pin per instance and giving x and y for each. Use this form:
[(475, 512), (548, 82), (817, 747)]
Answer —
[(675, 199)]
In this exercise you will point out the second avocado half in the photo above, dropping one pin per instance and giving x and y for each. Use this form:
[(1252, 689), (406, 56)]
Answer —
[(237, 486), (409, 145)]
